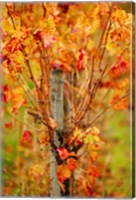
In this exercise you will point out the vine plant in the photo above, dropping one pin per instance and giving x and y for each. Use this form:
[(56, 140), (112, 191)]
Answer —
[(67, 64)]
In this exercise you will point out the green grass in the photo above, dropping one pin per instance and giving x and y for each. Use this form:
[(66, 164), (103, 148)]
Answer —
[(118, 149)]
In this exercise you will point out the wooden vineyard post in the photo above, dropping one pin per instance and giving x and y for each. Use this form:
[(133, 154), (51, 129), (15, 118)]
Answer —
[(58, 115)]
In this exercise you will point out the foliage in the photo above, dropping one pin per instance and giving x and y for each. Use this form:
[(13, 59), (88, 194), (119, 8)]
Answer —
[(89, 43)]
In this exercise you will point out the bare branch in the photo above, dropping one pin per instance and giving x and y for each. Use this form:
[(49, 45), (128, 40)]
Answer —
[(107, 108), (24, 123), (10, 16)]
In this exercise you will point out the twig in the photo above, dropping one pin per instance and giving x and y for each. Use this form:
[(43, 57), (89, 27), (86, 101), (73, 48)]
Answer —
[(104, 29), (44, 10), (29, 68), (104, 48), (28, 125), (28, 93), (10, 16), (107, 108)]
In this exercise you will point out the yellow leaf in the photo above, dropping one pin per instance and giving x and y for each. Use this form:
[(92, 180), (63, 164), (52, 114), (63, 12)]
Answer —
[(88, 139), (95, 131), (96, 138)]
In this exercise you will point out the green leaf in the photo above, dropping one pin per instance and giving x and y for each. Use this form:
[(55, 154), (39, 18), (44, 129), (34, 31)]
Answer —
[(31, 85)]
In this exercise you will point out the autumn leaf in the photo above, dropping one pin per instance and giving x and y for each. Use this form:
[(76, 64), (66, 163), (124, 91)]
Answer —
[(47, 40), (121, 105), (9, 125), (63, 172), (88, 139), (95, 147), (93, 156), (27, 136), (79, 141), (5, 88), (5, 93), (91, 180), (95, 131), (77, 136), (13, 45), (17, 95), (71, 164), (96, 138), (63, 153), (80, 62), (24, 102), (118, 69), (92, 136), (93, 171)]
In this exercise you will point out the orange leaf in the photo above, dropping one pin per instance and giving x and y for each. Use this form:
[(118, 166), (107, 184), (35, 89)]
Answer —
[(121, 105), (93, 171), (71, 164), (95, 147), (91, 180), (93, 156), (63, 173)]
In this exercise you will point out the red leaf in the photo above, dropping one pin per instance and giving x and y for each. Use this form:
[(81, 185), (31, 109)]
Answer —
[(27, 136), (9, 125), (13, 45), (79, 141), (57, 65), (5, 88), (4, 98), (63, 153), (38, 34), (118, 69), (123, 66), (80, 62), (24, 102), (19, 68), (5, 93), (47, 40)]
